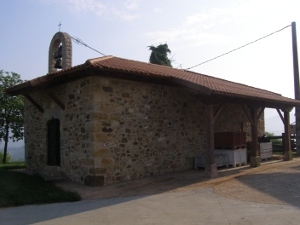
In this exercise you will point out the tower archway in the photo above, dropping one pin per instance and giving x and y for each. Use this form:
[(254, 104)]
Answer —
[(64, 40)]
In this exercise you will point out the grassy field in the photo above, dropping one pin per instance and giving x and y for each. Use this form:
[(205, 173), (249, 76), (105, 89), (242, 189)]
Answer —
[(17, 188), (12, 165)]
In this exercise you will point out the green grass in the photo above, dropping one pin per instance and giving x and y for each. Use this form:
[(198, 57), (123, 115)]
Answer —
[(280, 153), (12, 165), (17, 188)]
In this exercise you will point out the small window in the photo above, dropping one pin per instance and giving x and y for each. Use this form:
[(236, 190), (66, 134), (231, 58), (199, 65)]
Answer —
[(53, 143)]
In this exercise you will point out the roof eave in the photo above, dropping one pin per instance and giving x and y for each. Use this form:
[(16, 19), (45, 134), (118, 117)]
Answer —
[(255, 101)]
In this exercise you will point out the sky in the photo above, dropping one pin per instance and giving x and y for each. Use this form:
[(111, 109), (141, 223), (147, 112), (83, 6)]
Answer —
[(195, 31)]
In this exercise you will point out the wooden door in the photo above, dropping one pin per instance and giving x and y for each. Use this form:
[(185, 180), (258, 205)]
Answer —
[(53, 143)]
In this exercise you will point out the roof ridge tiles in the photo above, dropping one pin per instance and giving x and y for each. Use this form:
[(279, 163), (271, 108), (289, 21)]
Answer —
[(101, 59), (113, 64), (232, 82), (92, 61)]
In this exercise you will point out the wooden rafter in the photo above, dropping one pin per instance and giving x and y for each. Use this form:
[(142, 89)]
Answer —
[(54, 98), (218, 112), (260, 112), (241, 101), (281, 116), (34, 103), (247, 114)]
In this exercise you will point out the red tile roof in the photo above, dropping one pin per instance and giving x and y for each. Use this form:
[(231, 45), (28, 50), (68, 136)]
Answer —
[(204, 84)]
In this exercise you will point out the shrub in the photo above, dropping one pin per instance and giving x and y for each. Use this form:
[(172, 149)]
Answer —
[(8, 157)]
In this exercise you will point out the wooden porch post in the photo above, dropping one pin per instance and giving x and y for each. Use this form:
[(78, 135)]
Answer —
[(287, 129), (255, 158), (210, 167)]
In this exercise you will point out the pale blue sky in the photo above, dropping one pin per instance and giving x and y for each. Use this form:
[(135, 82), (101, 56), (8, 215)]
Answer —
[(195, 31)]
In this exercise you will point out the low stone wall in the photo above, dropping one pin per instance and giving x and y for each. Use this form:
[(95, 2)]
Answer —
[(114, 130)]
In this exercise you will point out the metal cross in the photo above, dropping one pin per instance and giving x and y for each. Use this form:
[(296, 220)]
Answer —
[(59, 25)]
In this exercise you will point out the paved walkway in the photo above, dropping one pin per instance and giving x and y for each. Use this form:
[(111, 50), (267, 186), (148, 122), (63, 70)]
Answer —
[(269, 194)]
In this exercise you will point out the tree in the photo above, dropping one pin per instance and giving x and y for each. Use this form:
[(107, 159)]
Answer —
[(159, 55), (11, 111), (8, 157)]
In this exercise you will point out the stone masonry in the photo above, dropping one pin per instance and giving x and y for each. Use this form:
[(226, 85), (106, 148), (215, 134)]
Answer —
[(114, 130), (64, 39)]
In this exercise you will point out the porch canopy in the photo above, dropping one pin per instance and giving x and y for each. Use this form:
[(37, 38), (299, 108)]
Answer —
[(209, 90)]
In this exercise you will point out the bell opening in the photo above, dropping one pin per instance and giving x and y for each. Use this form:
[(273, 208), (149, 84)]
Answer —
[(58, 54), (58, 64)]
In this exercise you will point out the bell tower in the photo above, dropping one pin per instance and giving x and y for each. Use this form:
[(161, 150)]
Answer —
[(60, 52)]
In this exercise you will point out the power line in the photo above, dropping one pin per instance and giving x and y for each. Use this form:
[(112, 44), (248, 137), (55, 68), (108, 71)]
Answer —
[(80, 42), (238, 48)]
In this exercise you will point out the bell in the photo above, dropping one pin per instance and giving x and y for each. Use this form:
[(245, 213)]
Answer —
[(58, 54), (58, 64)]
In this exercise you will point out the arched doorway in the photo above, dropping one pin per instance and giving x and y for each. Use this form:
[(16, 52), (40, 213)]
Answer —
[(53, 142)]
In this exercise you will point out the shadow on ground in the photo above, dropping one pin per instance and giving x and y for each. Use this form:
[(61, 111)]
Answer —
[(276, 185), (275, 182), (274, 178)]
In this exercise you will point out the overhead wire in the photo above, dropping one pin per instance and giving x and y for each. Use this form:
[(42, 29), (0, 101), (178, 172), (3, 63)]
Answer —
[(238, 48), (80, 42)]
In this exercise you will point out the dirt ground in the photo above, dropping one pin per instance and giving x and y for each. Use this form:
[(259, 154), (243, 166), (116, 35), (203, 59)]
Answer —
[(228, 183)]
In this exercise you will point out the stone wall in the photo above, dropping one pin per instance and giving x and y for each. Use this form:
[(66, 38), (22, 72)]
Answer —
[(233, 118), (75, 144), (114, 130), (143, 129)]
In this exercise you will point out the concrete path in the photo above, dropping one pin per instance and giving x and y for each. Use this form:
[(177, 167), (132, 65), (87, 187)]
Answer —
[(269, 194)]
